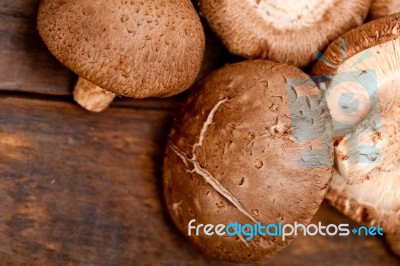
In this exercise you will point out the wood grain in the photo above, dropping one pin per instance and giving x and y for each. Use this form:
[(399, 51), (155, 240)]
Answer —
[(25, 63), (85, 189)]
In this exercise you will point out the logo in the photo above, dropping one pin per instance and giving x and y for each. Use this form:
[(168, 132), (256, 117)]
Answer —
[(351, 96), (283, 231)]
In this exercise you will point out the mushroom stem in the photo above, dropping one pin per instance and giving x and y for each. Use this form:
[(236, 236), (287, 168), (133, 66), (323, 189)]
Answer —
[(358, 154), (91, 97)]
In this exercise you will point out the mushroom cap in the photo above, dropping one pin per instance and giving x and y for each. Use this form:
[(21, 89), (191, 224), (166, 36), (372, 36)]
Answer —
[(373, 202), (356, 41), (382, 8), (371, 150), (131, 48), (367, 184), (368, 187), (282, 30), (251, 143), (359, 54)]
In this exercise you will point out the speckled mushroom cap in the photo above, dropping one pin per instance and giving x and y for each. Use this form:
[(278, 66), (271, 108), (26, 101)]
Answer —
[(131, 48), (251, 144), (382, 8), (282, 30)]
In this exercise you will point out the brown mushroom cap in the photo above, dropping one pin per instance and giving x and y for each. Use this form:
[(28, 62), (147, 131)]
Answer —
[(236, 153), (284, 31), (373, 202), (368, 182), (357, 40), (372, 150), (131, 48), (359, 50), (368, 188), (382, 8)]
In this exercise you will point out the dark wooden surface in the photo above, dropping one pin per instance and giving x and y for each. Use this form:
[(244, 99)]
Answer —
[(86, 189)]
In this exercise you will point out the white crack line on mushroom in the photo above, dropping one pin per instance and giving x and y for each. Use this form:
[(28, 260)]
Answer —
[(207, 176), (214, 183), (208, 122)]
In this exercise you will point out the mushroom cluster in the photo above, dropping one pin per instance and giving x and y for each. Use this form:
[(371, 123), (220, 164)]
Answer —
[(259, 141)]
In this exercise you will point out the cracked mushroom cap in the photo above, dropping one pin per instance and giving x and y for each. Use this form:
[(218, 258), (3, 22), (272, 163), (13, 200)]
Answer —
[(367, 184), (382, 8), (284, 31), (131, 48), (251, 144)]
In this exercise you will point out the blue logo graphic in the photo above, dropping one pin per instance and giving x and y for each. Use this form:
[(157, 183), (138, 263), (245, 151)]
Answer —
[(246, 232), (347, 103), (308, 122), (351, 97)]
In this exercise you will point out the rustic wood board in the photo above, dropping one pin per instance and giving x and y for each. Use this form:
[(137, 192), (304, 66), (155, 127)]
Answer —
[(81, 188), (86, 189), (25, 64)]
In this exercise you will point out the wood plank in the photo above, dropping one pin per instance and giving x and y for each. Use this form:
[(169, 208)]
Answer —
[(86, 189), (336, 250), (25, 63)]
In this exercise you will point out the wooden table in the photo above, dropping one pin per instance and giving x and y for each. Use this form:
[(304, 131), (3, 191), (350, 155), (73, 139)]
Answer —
[(86, 189)]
